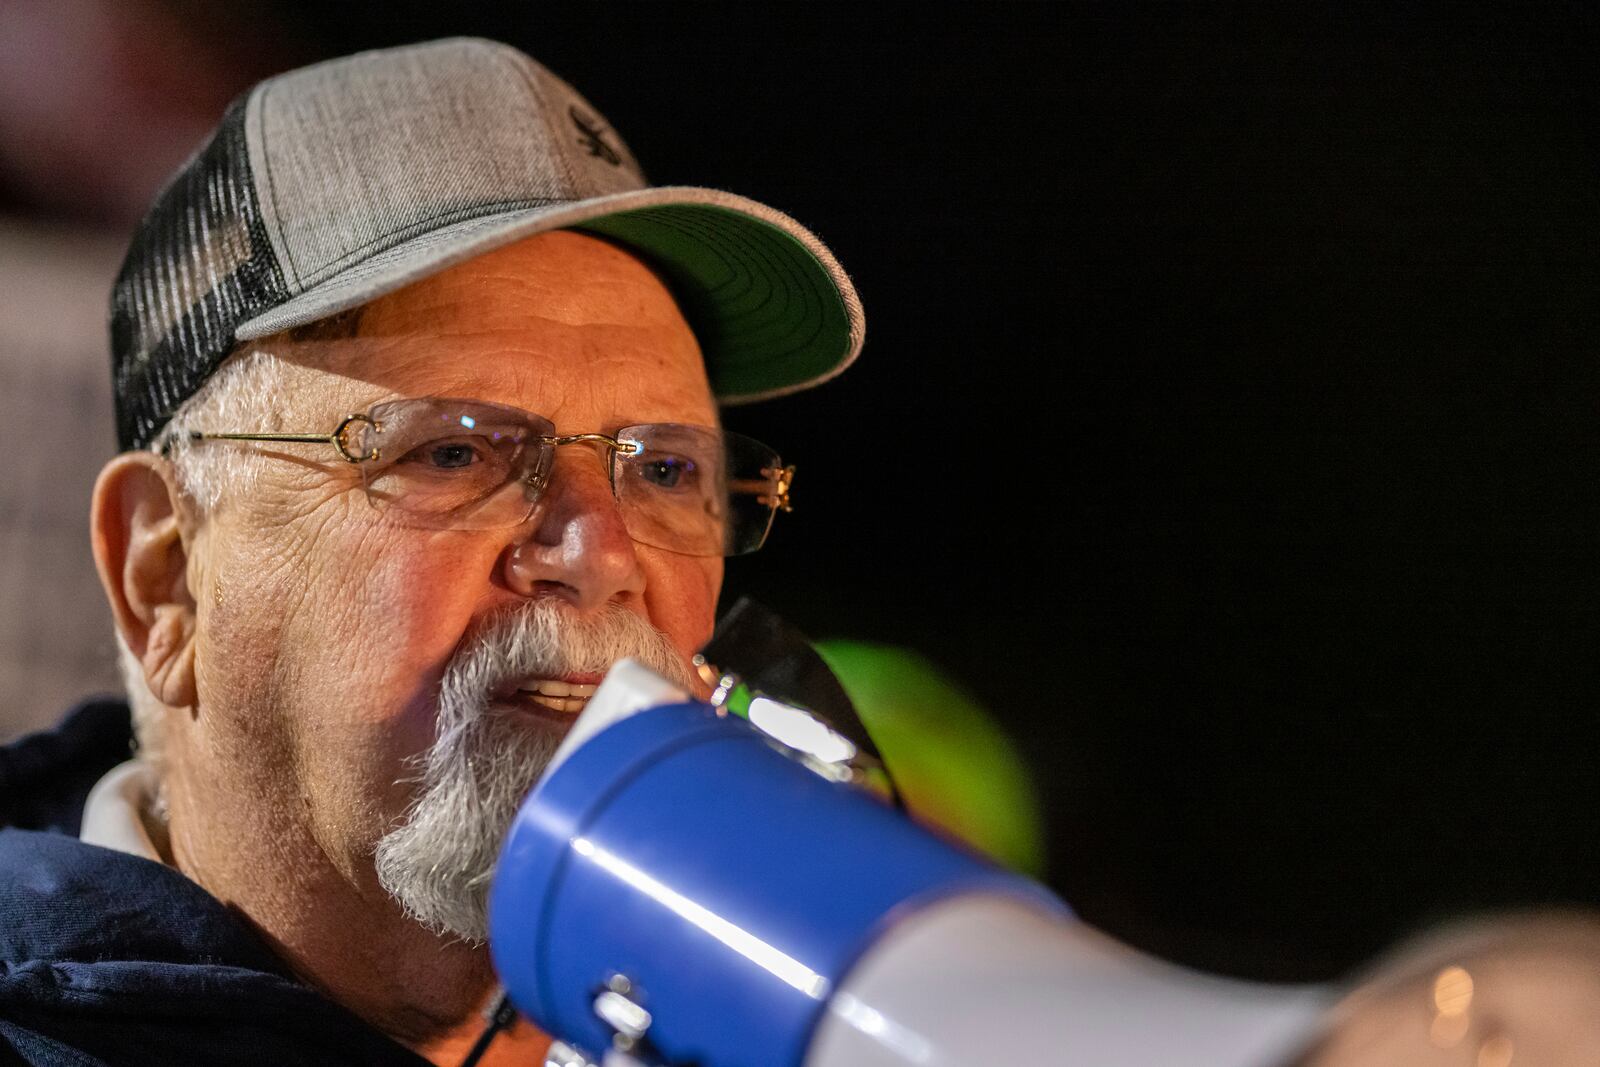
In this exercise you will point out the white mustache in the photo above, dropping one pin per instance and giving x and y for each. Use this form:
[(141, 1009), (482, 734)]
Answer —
[(546, 639)]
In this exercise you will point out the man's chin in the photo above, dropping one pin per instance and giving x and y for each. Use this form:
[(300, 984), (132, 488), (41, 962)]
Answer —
[(437, 865)]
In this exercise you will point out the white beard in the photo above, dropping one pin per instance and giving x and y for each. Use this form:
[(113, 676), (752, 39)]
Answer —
[(438, 862)]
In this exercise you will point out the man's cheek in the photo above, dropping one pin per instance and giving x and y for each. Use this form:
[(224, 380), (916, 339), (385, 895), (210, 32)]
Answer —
[(242, 613), (349, 619), (682, 601), (391, 615)]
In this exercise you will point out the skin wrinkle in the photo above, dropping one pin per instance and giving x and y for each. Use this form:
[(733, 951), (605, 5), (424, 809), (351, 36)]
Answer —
[(577, 313), (356, 807)]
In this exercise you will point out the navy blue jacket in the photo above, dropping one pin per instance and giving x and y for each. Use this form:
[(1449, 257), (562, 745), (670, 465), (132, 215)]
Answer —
[(109, 959)]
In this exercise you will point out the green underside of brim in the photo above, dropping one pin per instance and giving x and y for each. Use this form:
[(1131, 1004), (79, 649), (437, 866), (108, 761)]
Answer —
[(766, 312)]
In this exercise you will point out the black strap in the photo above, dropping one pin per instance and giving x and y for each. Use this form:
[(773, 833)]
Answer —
[(500, 1017)]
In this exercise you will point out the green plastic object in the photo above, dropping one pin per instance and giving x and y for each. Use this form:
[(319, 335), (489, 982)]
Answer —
[(956, 768)]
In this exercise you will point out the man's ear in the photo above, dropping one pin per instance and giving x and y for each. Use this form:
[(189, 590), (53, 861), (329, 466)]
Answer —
[(137, 524)]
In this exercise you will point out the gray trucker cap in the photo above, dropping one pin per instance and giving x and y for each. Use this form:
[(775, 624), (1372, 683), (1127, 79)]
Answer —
[(329, 186)]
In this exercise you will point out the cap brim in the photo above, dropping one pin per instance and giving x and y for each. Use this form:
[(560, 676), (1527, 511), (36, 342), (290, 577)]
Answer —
[(772, 309)]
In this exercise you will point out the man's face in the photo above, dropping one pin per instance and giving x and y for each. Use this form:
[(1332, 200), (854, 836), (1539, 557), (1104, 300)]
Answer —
[(324, 626)]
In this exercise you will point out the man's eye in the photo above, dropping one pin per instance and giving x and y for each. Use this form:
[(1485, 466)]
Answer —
[(667, 472), (445, 455)]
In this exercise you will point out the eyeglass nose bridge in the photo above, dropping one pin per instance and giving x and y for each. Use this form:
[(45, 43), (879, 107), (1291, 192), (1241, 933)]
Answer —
[(611, 444), (539, 477)]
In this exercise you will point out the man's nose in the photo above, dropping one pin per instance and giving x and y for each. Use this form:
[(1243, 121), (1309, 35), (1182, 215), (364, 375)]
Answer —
[(577, 546)]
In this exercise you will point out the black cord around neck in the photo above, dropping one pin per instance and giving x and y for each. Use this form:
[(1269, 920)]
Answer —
[(500, 1017)]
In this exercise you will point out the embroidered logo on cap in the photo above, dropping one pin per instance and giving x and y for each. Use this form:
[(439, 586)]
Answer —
[(592, 137)]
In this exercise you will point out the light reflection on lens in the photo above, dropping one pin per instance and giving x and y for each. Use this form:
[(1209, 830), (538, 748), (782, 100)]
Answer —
[(1452, 991)]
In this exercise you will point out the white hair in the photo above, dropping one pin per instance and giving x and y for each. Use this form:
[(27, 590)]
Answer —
[(248, 392)]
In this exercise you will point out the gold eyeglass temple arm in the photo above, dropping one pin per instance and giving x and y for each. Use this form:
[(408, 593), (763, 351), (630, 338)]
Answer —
[(337, 438), (772, 490), (311, 438)]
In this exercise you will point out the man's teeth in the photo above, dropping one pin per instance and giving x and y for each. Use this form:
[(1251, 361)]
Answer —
[(550, 687), (557, 695)]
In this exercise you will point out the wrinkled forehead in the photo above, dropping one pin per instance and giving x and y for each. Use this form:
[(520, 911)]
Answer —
[(561, 324), (563, 276)]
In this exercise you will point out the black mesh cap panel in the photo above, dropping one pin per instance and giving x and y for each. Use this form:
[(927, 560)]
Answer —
[(200, 264)]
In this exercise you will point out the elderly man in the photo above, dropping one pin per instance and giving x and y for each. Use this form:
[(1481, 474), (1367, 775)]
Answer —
[(417, 386)]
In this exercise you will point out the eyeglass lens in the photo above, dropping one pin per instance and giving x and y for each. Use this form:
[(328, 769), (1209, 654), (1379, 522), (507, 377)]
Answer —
[(459, 464)]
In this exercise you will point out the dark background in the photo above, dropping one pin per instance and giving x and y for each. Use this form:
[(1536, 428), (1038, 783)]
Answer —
[(1227, 419)]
